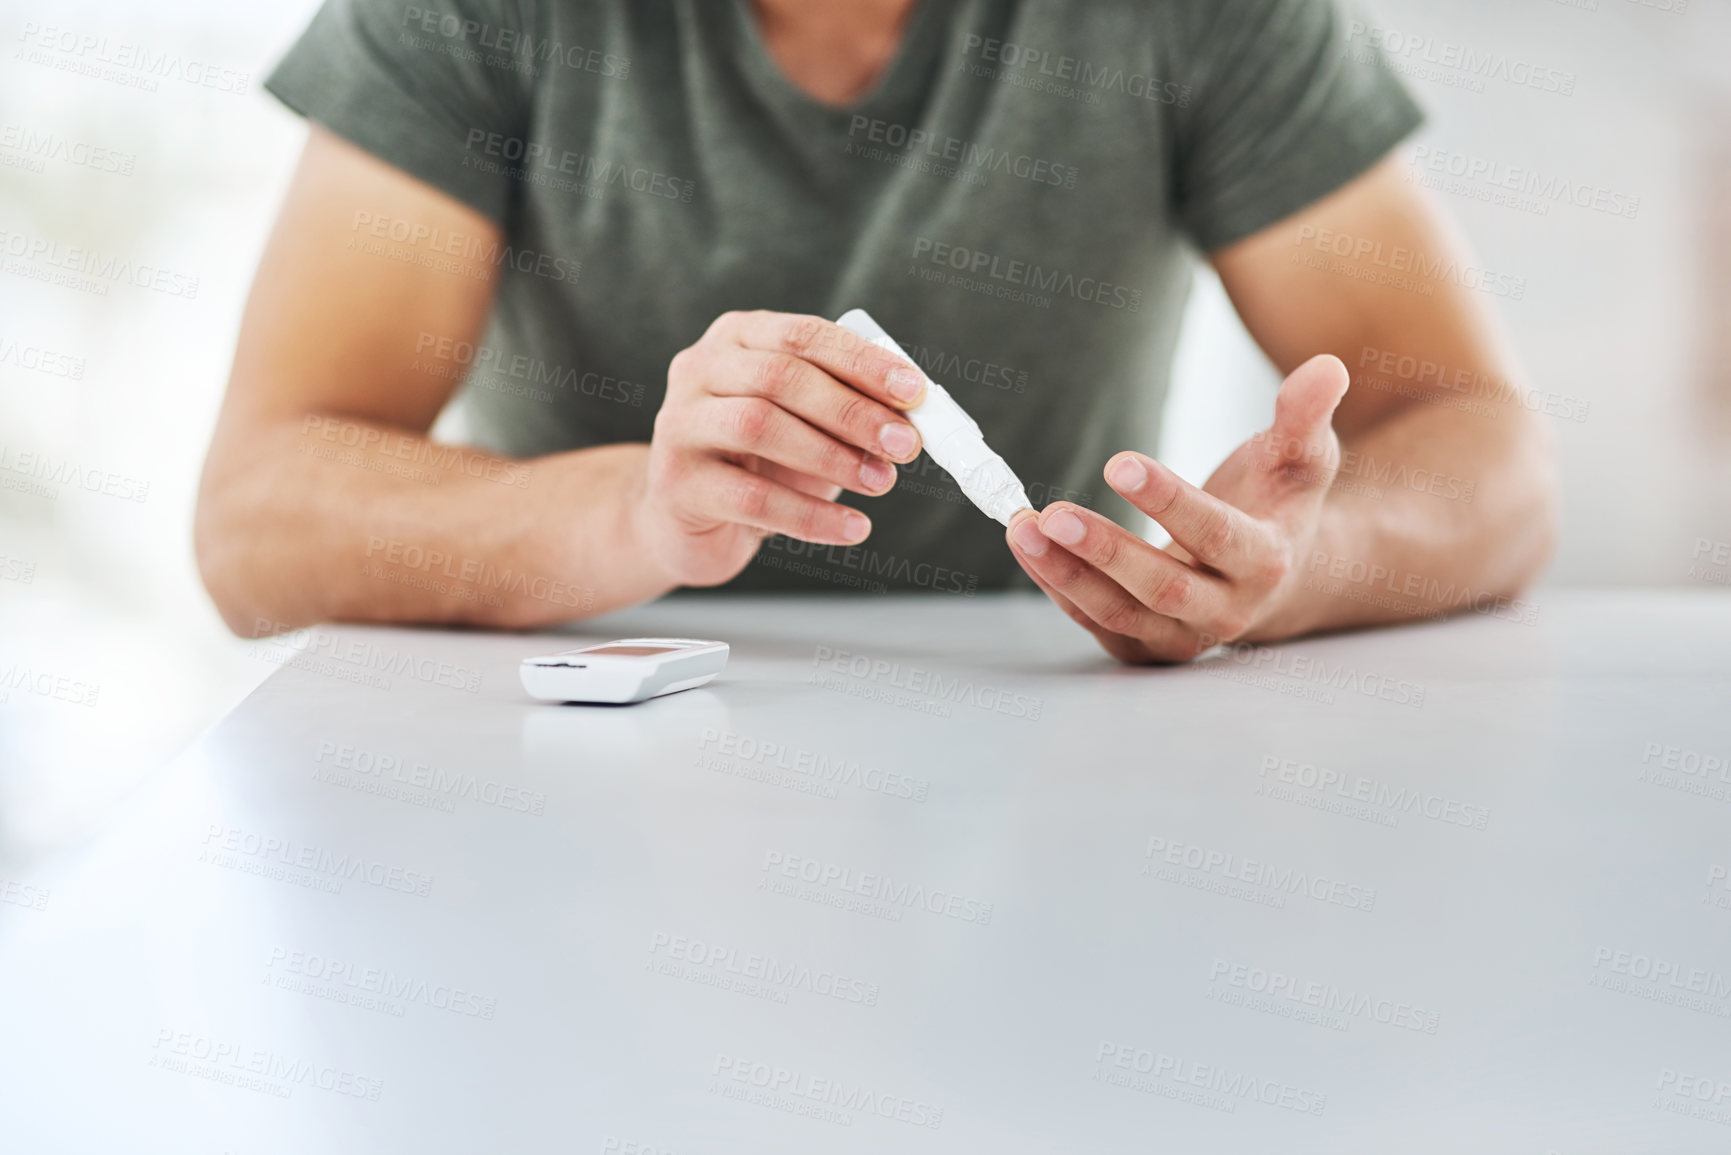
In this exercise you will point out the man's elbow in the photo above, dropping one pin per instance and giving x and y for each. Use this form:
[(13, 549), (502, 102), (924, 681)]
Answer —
[(217, 568), (221, 548), (1536, 513)]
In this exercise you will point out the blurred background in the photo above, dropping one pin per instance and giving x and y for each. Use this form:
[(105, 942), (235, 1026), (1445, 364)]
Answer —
[(115, 382)]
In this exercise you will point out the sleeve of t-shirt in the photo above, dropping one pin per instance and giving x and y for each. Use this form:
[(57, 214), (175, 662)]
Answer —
[(416, 86), (1290, 100)]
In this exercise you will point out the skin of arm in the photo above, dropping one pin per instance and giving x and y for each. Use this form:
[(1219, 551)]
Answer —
[(1282, 539), (323, 499)]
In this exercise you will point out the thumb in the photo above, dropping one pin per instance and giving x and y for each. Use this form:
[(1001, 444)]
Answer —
[(1307, 399), (1301, 440)]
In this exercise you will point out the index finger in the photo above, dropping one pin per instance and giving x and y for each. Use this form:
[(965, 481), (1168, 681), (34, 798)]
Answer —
[(1220, 536), (846, 356)]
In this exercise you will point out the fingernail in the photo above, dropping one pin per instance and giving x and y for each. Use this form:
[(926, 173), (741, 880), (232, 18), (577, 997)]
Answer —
[(1127, 474), (855, 527), (905, 384), (876, 475), (1064, 527), (1029, 537), (899, 439)]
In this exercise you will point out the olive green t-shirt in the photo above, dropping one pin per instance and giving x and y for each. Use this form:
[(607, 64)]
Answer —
[(1018, 199)]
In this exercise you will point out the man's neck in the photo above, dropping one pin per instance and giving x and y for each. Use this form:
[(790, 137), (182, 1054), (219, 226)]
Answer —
[(832, 52)]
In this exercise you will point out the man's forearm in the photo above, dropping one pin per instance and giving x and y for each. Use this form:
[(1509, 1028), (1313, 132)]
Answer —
[(328, 518), (1434, 511)]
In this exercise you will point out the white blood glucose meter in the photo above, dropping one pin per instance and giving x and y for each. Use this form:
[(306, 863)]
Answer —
[(628, 670)]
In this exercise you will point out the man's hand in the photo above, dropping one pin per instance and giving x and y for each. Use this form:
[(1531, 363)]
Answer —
[(1231, 566), (767, 418)]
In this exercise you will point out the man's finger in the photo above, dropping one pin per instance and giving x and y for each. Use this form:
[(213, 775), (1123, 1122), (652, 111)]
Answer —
[(1105, 603), (1301, 445), (845, 355), (725, 492), (814, 396), (1308, 397), (794, 479), (1058, 599), (1152, 576), (1120, 647), (752, 425), (1218, 535)]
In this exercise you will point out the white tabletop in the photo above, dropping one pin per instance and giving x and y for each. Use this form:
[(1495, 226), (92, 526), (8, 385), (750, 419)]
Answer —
[(926, 874)]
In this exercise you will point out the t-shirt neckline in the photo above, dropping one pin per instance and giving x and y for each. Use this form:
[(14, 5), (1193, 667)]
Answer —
[(889, 86)]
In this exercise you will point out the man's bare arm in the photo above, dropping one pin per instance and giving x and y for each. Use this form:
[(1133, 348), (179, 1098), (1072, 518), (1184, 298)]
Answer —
[(322, 497), (1363, 502), (1446, 481)]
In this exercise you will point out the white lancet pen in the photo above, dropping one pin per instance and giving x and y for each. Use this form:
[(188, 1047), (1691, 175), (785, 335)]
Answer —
[(951, 436)]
